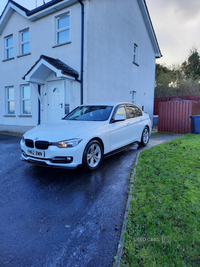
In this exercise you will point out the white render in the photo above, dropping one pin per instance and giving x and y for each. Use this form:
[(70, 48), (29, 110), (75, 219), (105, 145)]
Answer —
[(110, 31)]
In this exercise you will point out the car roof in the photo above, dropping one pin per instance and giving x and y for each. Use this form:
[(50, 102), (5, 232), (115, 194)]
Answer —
[(106, 104)]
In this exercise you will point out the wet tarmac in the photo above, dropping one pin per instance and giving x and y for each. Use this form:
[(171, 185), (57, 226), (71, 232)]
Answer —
[(53, 217)]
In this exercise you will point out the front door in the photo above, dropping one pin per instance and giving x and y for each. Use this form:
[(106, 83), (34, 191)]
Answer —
[(55, 101)]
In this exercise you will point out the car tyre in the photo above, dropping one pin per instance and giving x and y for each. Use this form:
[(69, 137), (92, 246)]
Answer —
[(145, 137), (93, 155)]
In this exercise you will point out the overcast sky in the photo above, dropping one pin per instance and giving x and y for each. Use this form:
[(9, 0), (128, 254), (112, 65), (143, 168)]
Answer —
[(176, 23)]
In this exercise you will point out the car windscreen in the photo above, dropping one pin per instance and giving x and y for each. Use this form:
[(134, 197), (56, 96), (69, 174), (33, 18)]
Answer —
[(90, 113)]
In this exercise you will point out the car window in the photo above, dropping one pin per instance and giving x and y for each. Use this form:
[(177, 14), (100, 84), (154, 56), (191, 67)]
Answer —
[(133, 112), (120, 110), (139, 112), (90, 113)]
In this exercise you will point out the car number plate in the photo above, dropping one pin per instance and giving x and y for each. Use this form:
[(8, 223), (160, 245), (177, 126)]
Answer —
[(36, 153)]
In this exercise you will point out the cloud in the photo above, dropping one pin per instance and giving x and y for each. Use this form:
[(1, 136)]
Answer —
[(176, 23)]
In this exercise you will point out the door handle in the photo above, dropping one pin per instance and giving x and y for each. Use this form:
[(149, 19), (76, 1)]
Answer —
[(61, 105), (128, 124)]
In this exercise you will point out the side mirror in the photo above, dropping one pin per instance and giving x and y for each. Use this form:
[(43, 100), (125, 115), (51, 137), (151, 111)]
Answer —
[(118, 118)]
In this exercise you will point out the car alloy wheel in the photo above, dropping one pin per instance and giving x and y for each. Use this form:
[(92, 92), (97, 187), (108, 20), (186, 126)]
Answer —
[(92, 155), (145, 137)]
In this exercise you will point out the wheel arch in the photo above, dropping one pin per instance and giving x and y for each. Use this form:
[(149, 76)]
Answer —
[(98, 139), (94, 138)]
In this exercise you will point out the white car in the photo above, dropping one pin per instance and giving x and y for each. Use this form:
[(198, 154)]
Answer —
[(86, 135)]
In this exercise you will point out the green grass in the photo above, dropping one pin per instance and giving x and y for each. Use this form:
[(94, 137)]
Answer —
[(165, 206)]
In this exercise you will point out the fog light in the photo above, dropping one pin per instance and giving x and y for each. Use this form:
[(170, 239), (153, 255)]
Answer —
[(62, 160)]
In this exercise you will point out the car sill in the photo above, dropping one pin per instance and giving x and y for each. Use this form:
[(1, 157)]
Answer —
[(120, 149)]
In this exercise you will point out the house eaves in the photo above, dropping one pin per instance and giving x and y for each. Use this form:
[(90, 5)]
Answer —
[(149, 26), (35, 14)]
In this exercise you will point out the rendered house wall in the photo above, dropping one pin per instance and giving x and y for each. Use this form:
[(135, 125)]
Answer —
[(113, 27)]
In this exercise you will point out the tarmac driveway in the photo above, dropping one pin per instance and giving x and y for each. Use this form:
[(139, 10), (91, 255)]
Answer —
[(53, 217)]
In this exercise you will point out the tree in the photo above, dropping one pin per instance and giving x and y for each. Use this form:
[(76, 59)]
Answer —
[(191, 66), (179, 80)]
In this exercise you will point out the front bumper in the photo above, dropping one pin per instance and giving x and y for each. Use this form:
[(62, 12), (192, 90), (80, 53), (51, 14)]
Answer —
[(66, 158)]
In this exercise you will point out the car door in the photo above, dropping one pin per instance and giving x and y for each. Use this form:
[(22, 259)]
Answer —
[(119, 132), (135, 122)]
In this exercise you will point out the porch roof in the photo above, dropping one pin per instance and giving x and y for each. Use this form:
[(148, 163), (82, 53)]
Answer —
[(43, 68)]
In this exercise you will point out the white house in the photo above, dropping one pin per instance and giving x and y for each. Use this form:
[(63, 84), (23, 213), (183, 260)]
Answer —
[(68, 52)]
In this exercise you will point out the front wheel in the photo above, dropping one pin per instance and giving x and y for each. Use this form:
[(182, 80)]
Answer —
[(145, 137), (93, 155)]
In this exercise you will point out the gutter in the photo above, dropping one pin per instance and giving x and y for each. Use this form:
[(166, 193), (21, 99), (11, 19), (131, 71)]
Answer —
[(82, 47)]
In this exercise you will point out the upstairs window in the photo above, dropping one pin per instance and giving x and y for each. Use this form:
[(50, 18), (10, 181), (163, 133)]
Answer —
[(25, 100), (9, 47), (24, 42), (135, 54), (10, 102), (63, 29)]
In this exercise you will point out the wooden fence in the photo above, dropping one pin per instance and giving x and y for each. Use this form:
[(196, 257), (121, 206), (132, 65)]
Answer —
[(174, 116), (165, 99)]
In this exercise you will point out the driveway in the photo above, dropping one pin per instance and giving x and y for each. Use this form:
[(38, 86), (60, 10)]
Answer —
[(53, 217)]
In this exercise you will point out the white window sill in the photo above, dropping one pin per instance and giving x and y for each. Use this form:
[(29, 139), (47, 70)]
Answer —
[(25, 116), (24, 55), (8, 59), (135, 63), (61, 44)]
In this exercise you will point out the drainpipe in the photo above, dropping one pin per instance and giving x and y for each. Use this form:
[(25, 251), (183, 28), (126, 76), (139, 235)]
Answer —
[(82, 46), (39, 120)]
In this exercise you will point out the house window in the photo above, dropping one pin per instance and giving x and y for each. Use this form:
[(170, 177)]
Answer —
[(9, 47), (24, 42), (25, 100), (63, 29), (133, 97), (10, 102), (135, 54)]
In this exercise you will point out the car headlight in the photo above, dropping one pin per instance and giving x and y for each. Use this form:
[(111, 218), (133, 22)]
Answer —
[(67, 143)]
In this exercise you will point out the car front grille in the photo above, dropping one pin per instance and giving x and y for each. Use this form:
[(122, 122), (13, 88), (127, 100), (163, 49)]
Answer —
[(41, 144), (29, 143)]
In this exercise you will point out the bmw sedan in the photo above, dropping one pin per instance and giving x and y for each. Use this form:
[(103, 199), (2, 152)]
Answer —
[(86, 135)]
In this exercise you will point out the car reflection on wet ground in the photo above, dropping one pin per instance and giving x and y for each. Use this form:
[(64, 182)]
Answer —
[(55, 217)]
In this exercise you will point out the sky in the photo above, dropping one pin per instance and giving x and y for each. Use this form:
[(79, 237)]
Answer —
[(176, 24)]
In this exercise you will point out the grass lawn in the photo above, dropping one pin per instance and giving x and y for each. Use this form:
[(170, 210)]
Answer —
[(163, 226)]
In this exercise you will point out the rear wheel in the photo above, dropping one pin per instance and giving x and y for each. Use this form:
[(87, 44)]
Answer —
[(145, 137), (93, 155)]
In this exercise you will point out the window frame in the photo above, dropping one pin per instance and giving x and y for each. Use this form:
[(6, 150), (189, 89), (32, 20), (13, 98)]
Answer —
[(23, 42), (57, 31), (8, 100), (7, 48), (25, 99), (135, 55)]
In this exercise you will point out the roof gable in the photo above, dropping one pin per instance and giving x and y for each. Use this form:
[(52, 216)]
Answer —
[(45, 65), (149, 26), (35, 14)]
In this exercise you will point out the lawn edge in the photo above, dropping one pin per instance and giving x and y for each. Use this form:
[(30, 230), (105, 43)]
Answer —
[(120, 245)]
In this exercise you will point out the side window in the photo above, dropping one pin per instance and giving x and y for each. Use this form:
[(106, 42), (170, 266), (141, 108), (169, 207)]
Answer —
[(10, 101), (131, 112), (120, 111), (63, 29), (135, 54), (133, 97), (9, 47), (24, 42), (25, 100)]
